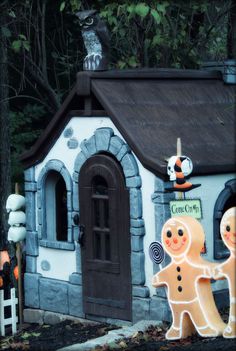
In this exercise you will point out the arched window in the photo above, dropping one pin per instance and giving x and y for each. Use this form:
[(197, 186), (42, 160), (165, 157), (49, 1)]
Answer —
[(55, 207), (226, 199), (54, 203)]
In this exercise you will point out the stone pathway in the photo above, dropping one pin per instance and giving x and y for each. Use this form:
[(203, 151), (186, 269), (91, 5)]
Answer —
[(112, 337)]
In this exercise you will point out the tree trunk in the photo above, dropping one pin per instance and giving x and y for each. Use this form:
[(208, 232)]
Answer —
[(231, 42), (5, 164)]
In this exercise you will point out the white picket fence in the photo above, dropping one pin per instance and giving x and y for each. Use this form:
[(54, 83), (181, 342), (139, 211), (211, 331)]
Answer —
[(13, 301)]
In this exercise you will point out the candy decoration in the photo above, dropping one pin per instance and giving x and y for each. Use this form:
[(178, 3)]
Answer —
[(156, 252), (182, 167), (15, 202)]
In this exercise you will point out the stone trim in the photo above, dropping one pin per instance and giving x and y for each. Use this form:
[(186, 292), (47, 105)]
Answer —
[(58, 166), (161, 200), (104, 140), (31, 246), (229, 191), (53, 295)]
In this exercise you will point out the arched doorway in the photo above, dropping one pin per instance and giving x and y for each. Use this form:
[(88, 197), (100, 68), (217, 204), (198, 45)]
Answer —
[(105, 244)]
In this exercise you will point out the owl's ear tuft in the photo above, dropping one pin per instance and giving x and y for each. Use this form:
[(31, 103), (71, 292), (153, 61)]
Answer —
[(82, 15)]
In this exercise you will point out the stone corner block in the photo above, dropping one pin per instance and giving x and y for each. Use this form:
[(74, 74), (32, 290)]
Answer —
[(125, 149), (52, 318), (33, 316), (75, 278), (31, 286), (133, 182), (140, 291), (30, 187), (31, 264), (135, 203), (75, 300), (54, 295), (159, 309), (141, 309), (29, 174), (137, 268), (129, 165), (116, 144), (90, 145), (56, 165), (84, 148), (79, 161), (137, 243), (32, 247), (102, 138)]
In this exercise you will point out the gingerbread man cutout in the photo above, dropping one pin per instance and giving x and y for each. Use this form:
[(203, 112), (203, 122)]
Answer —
[(227, 269), (188, 280)]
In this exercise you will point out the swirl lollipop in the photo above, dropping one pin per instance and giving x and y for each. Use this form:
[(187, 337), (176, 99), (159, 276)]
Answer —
[(156, 252)]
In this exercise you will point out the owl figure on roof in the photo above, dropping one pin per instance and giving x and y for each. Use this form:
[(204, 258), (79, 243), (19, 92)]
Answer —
[(96, 40)]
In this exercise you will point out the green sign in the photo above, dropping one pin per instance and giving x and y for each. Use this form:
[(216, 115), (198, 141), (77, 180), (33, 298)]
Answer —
[(186, 208)]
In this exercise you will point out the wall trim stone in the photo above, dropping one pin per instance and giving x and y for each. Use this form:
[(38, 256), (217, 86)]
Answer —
[(58, 166)]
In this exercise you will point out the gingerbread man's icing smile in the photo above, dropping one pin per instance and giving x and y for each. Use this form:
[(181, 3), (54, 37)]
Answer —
[(175, 240)]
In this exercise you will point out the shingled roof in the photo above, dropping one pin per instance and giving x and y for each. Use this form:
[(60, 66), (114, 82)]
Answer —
[(151, 109)]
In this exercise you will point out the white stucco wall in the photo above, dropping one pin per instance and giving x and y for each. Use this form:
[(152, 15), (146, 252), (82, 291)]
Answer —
[(63, 263)]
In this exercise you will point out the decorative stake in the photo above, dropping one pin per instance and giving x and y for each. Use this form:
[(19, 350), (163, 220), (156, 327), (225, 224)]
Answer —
[(178, 168), (19, 258), (179, 147), (180, 195), (17, 189)]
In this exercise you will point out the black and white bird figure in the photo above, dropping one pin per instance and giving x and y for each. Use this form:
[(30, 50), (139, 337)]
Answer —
[(96, 40)]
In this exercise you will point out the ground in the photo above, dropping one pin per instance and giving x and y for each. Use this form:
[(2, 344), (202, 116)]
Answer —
[(47, 338)]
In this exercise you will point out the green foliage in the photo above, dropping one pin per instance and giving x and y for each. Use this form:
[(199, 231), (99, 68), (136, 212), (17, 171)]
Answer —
[(20, 43), (165, 33), (142, 9), (26, 126), (6, 32)]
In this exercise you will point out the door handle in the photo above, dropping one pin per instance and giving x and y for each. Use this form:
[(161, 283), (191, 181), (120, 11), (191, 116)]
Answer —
[(76, 219), (81, 235)]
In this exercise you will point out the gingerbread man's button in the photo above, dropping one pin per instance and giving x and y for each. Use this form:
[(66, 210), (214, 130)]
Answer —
[(179, 277), (178, 269), (180, 288)]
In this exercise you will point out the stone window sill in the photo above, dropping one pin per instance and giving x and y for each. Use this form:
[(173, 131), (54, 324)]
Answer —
[(61, 245)]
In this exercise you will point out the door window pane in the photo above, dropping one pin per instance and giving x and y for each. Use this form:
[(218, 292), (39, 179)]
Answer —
[(100, 186), (97, 246), (96, 211), (107, 248), (106, 213), (100, 203)]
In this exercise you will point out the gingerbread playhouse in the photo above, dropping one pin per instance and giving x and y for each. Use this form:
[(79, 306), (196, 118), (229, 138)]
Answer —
[(95, 187)]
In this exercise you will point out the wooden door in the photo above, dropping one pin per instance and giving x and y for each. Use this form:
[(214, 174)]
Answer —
[(105, 246)]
